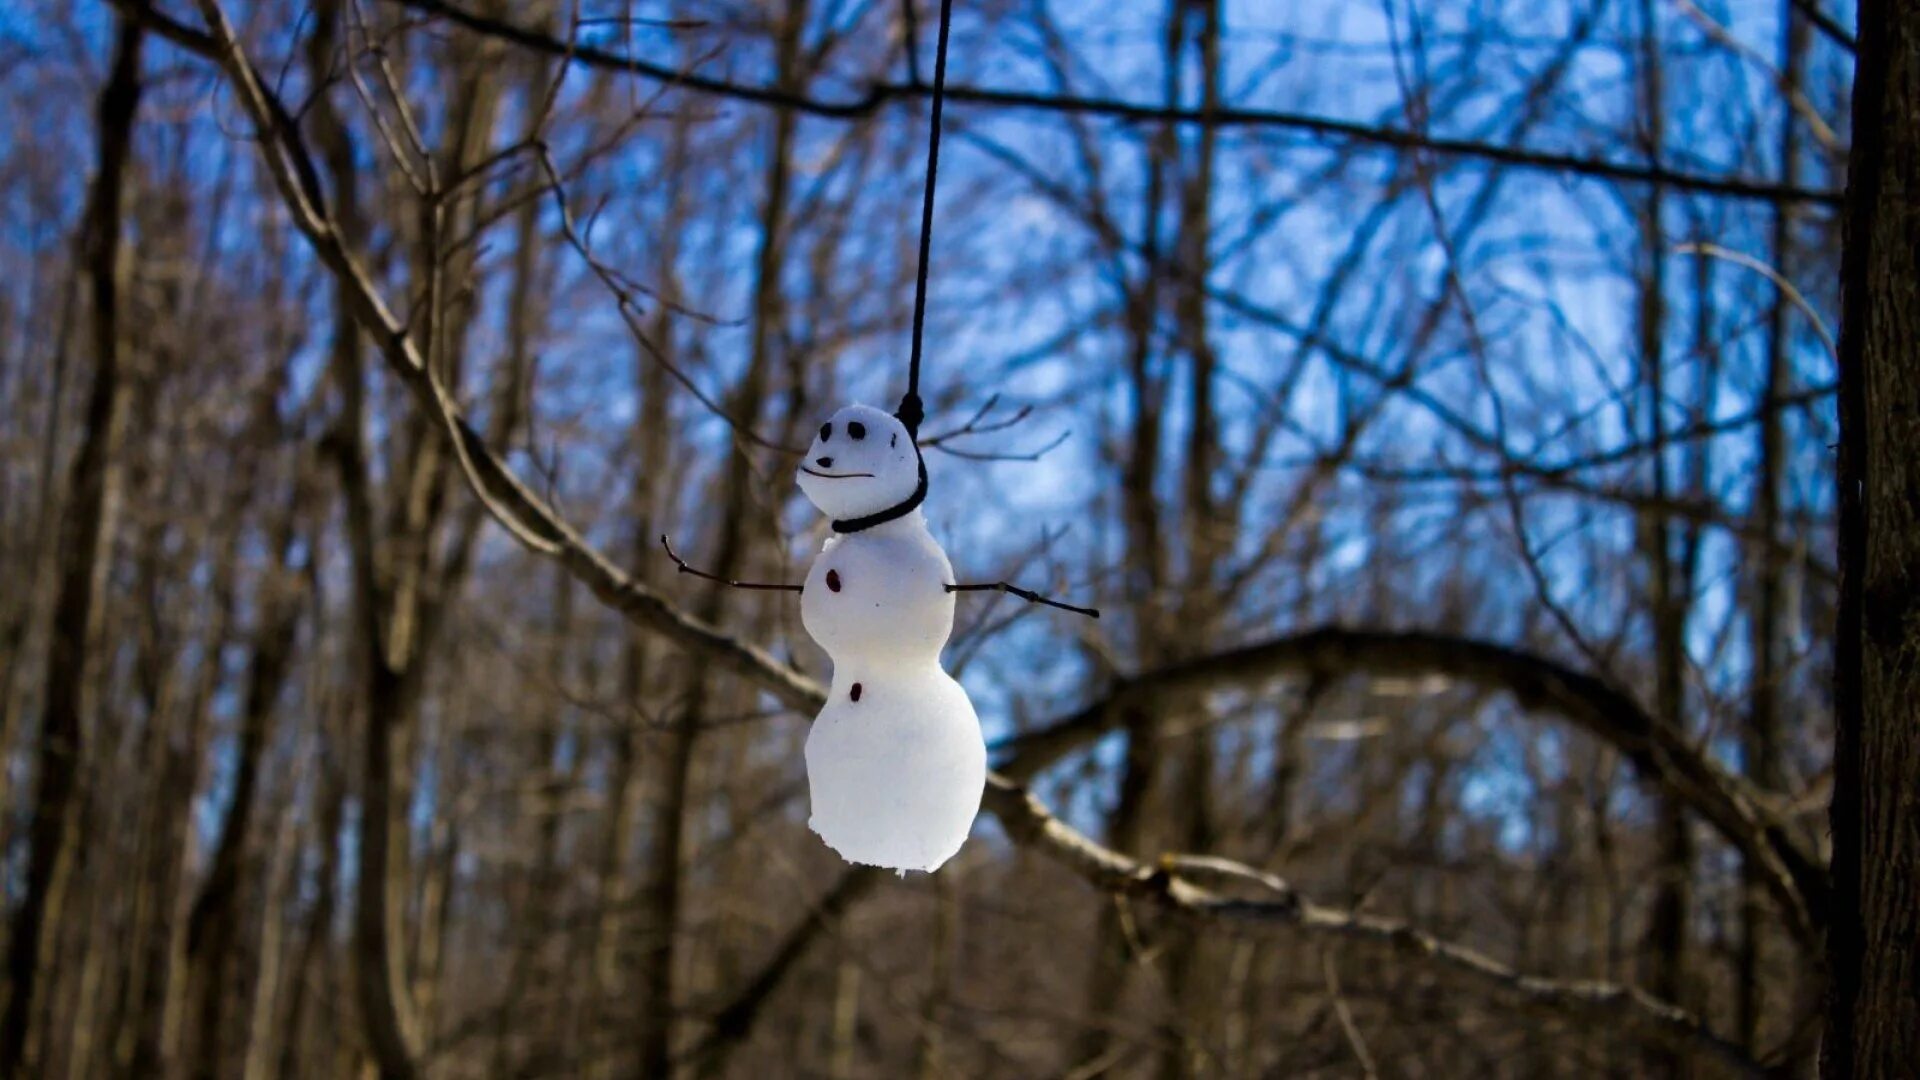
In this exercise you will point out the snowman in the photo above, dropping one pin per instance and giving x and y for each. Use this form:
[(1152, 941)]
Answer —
[(896, 763)]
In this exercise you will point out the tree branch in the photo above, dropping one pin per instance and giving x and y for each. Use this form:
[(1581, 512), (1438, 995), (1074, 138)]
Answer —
[(1028, 595), (1826, 24), (734, 1021), (881, 94), (1737, 812), (1536, 682), (1031, 824), (290, 164), (729, 582)]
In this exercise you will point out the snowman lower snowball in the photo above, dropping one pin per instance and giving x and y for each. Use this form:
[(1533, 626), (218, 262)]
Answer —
[(896, 762)]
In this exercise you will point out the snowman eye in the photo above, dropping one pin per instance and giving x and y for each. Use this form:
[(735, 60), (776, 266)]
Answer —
[(894, 441), (826, 431), (857, 429)]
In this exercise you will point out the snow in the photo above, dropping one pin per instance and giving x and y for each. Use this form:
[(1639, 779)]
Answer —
[(869, 459), (895, 762)]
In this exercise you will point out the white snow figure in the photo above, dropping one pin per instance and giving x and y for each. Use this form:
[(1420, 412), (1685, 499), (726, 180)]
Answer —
[(895, 762)]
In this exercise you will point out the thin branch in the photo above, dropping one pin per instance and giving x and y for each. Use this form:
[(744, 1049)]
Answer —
[(1826, 24), (1028, 595), (447, 412), (734, 1021), (1213, 866), (1695, 431), (291, 167), (623, 290), (1031, 824), (729, 582), (1787, 288), (883, 93), (1045, 448), (1345, 1016), (1718, 32), (977, 425), (1598, 708), (1476, 343), (1744, 817)]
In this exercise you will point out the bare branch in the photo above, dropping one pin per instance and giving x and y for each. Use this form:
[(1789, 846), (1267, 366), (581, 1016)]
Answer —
[(293, 172), (1787, 288), (883, 93), (1028, 595), (1826, 24), (1031, 824), (1345, 1015), (1743, 817), (623, 290), (685, 569)]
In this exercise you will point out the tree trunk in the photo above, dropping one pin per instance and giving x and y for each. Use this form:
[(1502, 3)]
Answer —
[(213, 920), (86, 529), (1194, 991), (748, 401), (1764, 741), (1665, 946), (1111, 969), (1873, 1018)]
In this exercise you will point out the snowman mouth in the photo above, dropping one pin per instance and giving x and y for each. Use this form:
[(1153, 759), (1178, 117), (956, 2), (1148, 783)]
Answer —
[(834, 476)]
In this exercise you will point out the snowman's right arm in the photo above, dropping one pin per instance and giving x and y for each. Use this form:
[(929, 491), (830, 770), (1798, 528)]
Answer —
[(685, 569), (1028, 595)]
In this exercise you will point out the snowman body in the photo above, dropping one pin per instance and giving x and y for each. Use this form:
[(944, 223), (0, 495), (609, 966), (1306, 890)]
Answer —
[(895, 762)]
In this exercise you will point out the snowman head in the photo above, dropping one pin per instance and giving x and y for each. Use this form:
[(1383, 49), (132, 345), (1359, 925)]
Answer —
[(861, 462)]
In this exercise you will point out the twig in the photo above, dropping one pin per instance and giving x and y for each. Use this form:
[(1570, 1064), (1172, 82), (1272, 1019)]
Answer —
[(685, 569), (292, 170), (883, 93), (1199, 866), (977, 424), (629, 309), (1717, 32), (1742, 814), (1030, 824), (974, 426), (1826, 24), (1028, 595), (1345, 1016), (1007, 455), (1787, 288)]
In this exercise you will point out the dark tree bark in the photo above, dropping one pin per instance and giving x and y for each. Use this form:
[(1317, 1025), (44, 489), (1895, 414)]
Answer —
[(1667, 940), (86, 534), (1765, 737), (1873, 1019), (213, 921)]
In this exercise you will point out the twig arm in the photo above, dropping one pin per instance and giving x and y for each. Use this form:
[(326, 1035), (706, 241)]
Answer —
[(1028, 595), (685, 569)]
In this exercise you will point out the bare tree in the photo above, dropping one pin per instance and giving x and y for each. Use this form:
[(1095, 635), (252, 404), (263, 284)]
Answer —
[(1871, 1022), (1435, 401)]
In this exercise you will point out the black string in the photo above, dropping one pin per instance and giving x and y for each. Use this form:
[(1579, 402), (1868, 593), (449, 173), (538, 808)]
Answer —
[(892, 513), (911, 412)]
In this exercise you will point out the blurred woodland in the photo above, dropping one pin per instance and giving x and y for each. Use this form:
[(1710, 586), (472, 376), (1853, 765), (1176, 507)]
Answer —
[(1438, 400)]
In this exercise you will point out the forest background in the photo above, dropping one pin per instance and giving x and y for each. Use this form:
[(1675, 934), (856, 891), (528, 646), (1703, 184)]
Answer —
[(1437, 399)]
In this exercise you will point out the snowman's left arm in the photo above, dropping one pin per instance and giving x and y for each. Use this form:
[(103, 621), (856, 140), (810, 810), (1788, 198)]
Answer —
[(1028, 595), (685, 569)]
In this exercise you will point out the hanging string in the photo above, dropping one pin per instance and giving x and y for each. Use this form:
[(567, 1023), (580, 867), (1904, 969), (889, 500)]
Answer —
[(911, 412)]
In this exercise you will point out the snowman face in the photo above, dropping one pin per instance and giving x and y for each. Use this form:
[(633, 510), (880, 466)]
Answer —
[(861, 462)]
